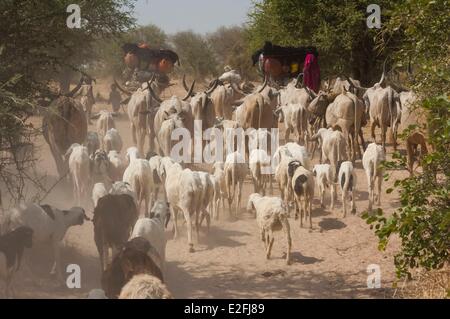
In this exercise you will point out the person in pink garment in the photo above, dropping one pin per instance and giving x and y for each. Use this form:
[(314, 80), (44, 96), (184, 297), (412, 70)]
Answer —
[(311, 72)]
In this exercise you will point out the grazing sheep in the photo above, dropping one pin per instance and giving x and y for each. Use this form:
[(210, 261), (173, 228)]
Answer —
[(372, 158), (260, 168), (271, 216), (12, 245), (116, 166), (92, 142), (131, 260), (144, 286), (98, 192), (220, 188), (347, 182), (235, 170), (183, 189), (48, 224), (79, 168), (324, 179), (153, 230), (138, 175), (303, 187), (114, 218), (112, 141), (207, 198)]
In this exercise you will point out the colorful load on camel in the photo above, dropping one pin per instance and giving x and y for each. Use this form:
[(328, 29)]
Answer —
[(280, 63), (147, 59)]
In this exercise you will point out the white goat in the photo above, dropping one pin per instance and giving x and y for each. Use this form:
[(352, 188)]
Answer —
[(184, 190), (324, 179), (271, 216), (112, 141), (153, 229), (261, 170), (105, 122), (79, 168), (138, 175), (235, 170), (48, 224), (372, 158), (98, 192), (347, 182), (303, 187), (117, 165)]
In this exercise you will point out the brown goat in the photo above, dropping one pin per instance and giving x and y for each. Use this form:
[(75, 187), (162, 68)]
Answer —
[(414, 140), (114, 218), (132, 260), (12, 245)]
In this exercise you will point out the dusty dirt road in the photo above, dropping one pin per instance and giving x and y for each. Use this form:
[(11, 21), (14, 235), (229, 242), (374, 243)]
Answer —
[(328, 262)]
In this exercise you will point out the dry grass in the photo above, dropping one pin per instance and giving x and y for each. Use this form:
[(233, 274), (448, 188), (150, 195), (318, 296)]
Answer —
[(429, 285)]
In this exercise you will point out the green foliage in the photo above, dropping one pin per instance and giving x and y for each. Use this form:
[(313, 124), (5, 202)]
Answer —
[(230, 47), (35, 47), (37, 42), (423, 221), (195, 53), (337, 28)]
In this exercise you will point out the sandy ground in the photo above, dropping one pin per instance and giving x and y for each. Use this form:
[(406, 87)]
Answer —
[(328, 262)]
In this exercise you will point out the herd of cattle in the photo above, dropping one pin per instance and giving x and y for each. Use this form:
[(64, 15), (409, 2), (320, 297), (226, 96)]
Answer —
[(136, 193)]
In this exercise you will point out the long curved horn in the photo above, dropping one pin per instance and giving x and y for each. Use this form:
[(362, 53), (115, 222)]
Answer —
[(351, 84), (149, 83), (75, 90), (311, 94), (237, 89), (184, 83), (152, 93), (213, 87), (121, 88), (329, 83), (297, 81), (263, 86), (383, 76), (189, 93)]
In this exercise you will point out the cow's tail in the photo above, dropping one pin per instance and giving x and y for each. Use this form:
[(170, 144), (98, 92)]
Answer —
[(374, 172), (261, 109), (258, 171), (391, 120), (354, 99), (301, 114)]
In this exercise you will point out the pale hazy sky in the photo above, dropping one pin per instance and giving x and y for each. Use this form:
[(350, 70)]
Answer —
[(198, 15)]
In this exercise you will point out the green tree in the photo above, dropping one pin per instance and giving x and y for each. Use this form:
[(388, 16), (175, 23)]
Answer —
[(35, 47), (423, 220), (195, 54), (337, 28), (230, 47)]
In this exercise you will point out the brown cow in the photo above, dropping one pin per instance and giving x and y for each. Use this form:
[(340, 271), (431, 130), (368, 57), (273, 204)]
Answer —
[(114, 218), (63, 125)]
